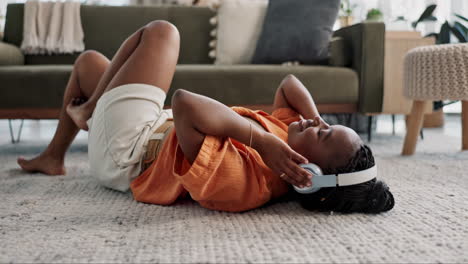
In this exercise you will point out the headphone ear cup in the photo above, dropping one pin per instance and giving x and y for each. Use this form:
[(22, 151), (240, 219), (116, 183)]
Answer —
[(313, 168), (316, 171)]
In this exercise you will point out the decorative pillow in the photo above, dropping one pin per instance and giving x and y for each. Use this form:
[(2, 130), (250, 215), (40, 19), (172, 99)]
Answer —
[(239, 24), (296, 30)]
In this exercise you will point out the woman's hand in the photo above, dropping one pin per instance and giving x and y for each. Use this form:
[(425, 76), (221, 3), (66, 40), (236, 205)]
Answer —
[(283, 160), (319, 120)]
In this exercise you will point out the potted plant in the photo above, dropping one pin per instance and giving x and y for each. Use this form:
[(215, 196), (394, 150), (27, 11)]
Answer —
[(457, 29), (374, 14), (346, 13)]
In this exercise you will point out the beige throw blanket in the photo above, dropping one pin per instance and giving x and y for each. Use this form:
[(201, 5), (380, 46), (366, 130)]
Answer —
[(52, 27)]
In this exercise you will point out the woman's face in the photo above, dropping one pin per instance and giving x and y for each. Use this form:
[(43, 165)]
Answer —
[(322, 144)]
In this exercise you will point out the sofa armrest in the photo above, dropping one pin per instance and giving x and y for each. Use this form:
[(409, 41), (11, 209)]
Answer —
[(366, 45), (338, 54), (10, 55)]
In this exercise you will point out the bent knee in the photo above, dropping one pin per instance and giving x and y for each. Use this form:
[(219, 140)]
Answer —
[(91, 57), (182, 102), (289, 78), (179, 98), (161, 29)]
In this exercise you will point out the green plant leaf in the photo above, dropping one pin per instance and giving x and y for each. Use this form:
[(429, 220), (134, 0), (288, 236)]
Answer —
[(425, 15), (461, 17), (444, 35), (461, 27), (450, 102), (438, 105), (459, 34), (400, 18), (374, 13)]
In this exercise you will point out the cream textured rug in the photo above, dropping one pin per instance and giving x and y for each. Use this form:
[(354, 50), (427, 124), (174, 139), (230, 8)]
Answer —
[(73, 219)]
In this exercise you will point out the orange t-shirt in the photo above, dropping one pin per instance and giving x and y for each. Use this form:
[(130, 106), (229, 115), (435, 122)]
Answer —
[(223, 176)]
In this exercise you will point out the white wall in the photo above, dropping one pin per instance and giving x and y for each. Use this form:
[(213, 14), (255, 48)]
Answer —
[(412, 9), (460, 7)]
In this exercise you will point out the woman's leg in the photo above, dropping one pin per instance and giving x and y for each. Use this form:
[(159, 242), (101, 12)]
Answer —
[(87, 71), (148, 56), (154, 60)]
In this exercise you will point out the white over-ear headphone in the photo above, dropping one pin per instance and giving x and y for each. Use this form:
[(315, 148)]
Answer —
[(334, 180)]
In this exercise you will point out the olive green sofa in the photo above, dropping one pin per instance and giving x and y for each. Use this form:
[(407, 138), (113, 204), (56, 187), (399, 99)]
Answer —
[(32, 86)]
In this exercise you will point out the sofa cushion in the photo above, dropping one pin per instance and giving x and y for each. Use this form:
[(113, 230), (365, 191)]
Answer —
[(50, 59), (100, 24), (296, 30), (106, 27), (35, 86), (239, 24), (10, 54), (194, 48), (256, 84)]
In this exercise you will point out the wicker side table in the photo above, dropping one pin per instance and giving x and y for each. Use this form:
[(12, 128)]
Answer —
[(438, 72)]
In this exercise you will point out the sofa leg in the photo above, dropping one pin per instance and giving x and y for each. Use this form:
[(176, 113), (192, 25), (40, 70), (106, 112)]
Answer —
[(369, 128), (349, 120), (13, 140)]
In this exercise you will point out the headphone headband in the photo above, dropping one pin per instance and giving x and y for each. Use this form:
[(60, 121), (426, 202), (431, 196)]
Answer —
[(356, 177), (335, 180)]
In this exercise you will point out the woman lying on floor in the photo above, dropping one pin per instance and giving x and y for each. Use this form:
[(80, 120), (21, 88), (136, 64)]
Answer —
[(230, 159)]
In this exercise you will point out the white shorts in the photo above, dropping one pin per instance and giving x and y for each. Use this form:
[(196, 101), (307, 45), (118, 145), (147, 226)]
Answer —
[(119, 129)]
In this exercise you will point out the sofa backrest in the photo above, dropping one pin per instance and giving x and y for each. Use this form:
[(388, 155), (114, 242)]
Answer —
[(106, 27)]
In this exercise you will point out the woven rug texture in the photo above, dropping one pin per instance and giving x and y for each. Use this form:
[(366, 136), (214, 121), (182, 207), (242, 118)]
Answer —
[(73, 219)]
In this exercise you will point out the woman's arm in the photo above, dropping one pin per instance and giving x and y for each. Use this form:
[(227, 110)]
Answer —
[(196, 116), (292, 94)]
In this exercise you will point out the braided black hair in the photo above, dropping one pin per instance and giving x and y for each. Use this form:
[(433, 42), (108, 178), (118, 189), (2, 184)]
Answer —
[(370, 197)]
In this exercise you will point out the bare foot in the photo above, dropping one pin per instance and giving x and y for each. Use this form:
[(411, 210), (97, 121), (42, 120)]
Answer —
[(44, 164), (78, 112)]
